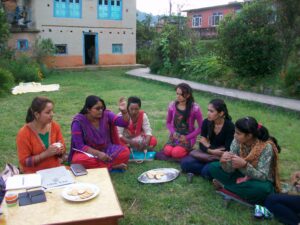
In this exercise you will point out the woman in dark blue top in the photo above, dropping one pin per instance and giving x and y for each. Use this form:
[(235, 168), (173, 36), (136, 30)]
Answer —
[(216, 137)]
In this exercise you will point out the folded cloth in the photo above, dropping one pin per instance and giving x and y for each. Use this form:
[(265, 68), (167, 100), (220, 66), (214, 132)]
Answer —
[(33, 87)]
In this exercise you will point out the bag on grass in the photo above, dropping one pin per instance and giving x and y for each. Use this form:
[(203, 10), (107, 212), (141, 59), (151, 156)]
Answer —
[(8, 171)]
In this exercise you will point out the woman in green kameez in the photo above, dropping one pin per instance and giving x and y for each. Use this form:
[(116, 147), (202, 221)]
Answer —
[(250, 168)]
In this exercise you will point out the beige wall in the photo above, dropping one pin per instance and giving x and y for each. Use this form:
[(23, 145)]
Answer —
[(70, 30), (14, 37)]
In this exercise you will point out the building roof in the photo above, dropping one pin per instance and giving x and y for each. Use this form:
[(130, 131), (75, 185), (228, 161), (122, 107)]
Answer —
[(215, 7)]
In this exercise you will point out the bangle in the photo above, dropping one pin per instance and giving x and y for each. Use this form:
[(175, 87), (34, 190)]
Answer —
[(38, 158)]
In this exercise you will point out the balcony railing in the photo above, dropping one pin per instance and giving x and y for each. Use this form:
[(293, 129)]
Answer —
[(21, 17)]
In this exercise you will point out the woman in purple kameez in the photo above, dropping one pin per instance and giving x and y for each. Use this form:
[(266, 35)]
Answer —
[(95, 142)]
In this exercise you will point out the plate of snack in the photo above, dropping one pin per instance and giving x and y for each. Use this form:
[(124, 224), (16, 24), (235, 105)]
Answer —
[(80, 192), (159, 175)]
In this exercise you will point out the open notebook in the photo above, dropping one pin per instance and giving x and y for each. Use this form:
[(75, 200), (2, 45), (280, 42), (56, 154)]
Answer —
[(47, 178), (23, 181)]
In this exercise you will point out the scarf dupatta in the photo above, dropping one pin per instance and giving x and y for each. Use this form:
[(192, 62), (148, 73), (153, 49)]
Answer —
[(254, 155), (137, 130)]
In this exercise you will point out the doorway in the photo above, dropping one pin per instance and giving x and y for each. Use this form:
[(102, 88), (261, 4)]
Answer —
[(90, 50)]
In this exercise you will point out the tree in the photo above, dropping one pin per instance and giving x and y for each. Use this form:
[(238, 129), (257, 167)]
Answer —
[(4, 29), (288, 20), (145, 32), (248, 41), (172, 47)]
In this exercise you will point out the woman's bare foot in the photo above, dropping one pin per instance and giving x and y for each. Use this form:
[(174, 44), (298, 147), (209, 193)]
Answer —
[(122, 166), (217, 184)]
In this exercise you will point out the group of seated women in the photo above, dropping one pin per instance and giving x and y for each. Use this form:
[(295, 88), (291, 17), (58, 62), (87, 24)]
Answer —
[(241, 158)]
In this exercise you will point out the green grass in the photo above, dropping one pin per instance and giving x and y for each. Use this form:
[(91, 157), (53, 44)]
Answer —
[(176, 202)]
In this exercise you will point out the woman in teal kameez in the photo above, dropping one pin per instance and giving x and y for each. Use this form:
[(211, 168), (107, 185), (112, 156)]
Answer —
[(250, 169)]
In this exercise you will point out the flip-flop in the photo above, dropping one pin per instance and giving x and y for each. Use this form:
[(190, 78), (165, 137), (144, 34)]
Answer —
[(217, 184)]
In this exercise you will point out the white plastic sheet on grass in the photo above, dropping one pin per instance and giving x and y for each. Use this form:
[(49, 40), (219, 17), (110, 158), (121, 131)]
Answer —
[(33, 87)]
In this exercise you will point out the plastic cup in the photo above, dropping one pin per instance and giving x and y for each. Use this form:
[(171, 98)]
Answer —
[(189, 177), (11, 199)]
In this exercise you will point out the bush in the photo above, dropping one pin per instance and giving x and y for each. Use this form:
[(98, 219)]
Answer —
[(24, 69), (205, 68), (172, 46), (42, 49), (7, 81), (144, 56), (292, 79), (248, 42)]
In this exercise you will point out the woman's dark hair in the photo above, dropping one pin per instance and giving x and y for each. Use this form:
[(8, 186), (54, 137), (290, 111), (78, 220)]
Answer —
[(90, 101), (220, 106), (38, 104), (186, 90), (249, 125), (134, 100)]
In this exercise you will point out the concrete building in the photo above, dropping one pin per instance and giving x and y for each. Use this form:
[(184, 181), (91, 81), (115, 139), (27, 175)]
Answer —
[(205, 20), (85, 32)]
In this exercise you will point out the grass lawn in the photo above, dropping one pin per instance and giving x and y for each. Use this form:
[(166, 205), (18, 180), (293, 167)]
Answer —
[(176, 202)]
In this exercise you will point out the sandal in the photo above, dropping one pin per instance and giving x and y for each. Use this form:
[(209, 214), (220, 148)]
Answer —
[(217, 184)]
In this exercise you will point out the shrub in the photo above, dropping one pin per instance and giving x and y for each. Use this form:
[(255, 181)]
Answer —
[(7, 81), (205, 68), (25, 69), (42, 49), (292, 79), (144, 56), (248, 42), (172, 46)]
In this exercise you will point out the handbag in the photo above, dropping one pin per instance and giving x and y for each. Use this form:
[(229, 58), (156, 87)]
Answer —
[(9, 171), (203, 156)]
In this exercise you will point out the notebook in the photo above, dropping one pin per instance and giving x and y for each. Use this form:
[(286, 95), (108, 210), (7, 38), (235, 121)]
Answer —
[(54, 177), (23, 181)]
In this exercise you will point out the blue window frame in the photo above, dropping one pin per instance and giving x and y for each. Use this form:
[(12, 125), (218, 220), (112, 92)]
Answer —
[(67, 8), (22, 45), (117, 48), (110, 9)]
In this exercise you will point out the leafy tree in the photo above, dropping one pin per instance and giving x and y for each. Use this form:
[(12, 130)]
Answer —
[(288, 21), (4, 29), (145, 32), (248, 41), (172, 47), (145, 37)]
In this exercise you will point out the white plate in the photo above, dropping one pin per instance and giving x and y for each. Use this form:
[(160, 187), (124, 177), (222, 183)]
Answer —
[(169, 175), (79, 186)]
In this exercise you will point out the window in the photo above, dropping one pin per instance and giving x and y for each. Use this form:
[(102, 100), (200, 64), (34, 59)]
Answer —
[(110, 9), (197, 21), (216, 18), (22, 45), (61, 49), (67, 8), (117, 48)]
